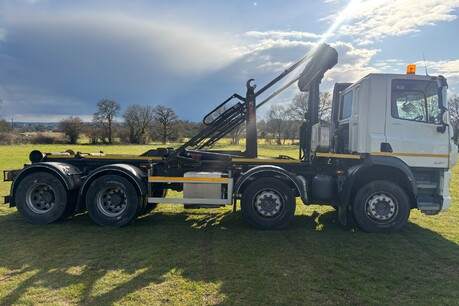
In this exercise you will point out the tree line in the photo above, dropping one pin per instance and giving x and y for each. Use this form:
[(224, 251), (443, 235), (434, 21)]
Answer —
[(142, 123)]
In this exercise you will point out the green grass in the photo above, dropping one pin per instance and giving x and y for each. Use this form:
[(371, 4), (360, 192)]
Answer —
[(196, 257)]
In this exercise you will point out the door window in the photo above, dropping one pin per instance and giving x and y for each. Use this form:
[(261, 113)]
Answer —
[(416, 101), (346, 105)]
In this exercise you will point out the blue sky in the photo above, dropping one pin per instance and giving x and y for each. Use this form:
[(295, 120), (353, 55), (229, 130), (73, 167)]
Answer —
[(59, 57)]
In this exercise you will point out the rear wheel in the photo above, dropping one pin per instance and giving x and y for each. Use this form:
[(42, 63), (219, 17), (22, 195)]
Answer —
[(112, 200), (41, 198), (381, 207), (268, 203)]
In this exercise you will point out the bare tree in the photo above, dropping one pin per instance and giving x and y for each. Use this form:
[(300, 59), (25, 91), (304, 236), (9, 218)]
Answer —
[(277, 123), (167, 120), (453, 107), (91, 131), (138, 119), (71, 127), (236, 134), (299, 108), (107, 110)]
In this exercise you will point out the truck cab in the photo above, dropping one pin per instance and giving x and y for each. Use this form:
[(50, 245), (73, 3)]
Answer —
[(402, 122)]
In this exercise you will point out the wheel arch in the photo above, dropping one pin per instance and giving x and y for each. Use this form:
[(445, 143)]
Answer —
[(379, 168), (271, 171), (69, 175), (132, 173)]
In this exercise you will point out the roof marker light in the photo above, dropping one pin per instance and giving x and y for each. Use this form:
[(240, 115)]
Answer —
[(411, 69)]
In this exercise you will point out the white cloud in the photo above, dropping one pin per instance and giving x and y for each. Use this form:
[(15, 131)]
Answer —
[(2, 34), (282, 35), (274, 51), (449, 69), (373, 20), (33, 1), (353, 63)]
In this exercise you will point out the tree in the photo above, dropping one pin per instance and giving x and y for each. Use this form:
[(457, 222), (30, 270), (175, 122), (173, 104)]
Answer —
[(299, 108), (91, 131), (72, 128), (189, 128), (5, 127), (453, 106), (277, 123), (138, 118), (236, 134), (167, 120), (107, 110)]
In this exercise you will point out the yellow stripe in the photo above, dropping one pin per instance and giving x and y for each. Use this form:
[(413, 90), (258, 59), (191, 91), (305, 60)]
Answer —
[(124, 157), (109, 157), (409, 154), (187, 179), (261, 160), (332, 155)]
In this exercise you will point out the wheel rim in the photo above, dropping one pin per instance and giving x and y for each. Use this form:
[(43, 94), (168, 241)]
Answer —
[(111, 201), (381, 207), (40, 198), (268, 203)]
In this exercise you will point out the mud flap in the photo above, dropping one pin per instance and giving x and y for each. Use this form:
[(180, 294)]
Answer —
[(343, 212)]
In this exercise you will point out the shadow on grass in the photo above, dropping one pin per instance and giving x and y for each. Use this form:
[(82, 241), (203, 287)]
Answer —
[(202, 257)]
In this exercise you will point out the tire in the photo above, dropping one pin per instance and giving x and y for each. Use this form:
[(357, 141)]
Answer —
[(381, 207), (112, 200), (268, 203), (41, 198)]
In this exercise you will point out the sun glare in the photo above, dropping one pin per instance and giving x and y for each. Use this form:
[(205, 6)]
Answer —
[(341, 18)]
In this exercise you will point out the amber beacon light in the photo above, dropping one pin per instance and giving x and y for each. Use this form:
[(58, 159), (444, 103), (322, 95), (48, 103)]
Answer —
[(411, 69)]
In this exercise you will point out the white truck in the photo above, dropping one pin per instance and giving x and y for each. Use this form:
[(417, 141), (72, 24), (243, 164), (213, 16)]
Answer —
[(387, 150)]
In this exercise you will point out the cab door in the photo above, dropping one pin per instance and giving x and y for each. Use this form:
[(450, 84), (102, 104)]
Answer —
[(412, 118)]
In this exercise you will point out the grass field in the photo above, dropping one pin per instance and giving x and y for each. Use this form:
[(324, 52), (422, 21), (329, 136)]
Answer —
[(176, 256)]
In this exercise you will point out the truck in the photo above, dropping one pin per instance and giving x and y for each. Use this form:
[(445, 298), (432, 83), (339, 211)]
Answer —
[(387, 150)]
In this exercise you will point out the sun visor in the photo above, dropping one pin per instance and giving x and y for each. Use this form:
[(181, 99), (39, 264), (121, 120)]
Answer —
[(322, 59)]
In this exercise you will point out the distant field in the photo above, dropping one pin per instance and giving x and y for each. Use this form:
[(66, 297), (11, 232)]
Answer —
[(195, 257)]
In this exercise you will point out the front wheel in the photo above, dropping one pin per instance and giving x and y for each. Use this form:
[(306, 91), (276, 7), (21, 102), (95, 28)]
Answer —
[(268, 203), (112, 200), (381, 207)]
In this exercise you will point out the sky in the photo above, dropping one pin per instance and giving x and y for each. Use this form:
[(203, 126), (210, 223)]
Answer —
[(59, 57)]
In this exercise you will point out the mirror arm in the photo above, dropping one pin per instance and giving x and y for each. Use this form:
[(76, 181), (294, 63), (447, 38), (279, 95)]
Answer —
[(442, 128)]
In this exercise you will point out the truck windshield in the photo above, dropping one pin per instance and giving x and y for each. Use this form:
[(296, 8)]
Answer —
[(416, 100)]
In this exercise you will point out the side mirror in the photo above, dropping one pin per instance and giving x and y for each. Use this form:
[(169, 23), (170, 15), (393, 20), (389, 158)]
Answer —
[(444, 125)]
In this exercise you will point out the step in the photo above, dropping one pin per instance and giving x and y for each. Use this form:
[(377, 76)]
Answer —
[(428, 206), (426, 185)]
